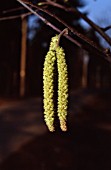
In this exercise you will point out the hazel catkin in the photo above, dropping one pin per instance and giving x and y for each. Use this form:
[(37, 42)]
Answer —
[(62, 87), (55, 53), (48, 84)]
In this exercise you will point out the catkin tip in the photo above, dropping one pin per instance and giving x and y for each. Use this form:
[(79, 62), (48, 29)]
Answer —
[(51, 128), (63, 125)]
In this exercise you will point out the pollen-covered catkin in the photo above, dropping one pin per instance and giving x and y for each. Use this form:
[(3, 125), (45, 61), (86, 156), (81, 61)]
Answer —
[(48, 84), (62, 87), (55, 53)]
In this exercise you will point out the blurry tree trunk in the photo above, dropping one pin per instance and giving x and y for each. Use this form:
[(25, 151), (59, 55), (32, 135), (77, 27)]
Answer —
[(85, 70), (23, 56)]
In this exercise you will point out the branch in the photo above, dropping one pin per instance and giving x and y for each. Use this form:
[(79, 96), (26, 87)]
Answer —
[(15, 16), (74, 10), (106, 28), (74, 31), (12, 10), (93, 48), (48, 23)]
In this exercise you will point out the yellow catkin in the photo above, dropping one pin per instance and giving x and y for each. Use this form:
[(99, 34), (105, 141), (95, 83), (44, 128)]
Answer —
[(55, 53), (48, 84), (62, 87)]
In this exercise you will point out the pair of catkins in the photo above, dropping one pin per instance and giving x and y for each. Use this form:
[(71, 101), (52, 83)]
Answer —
[(55, 54)]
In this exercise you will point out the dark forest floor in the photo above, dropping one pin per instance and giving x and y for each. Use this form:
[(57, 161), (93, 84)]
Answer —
[(26, 144)]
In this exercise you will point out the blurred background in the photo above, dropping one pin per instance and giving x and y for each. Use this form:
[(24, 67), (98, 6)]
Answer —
[(24, 42)]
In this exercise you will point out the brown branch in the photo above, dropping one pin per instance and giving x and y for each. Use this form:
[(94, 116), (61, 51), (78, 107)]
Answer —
[(93, 48), (74, 10), (104, 53), (48, 23), (12, 10), (14, 16), (88, 43), (106, 28)]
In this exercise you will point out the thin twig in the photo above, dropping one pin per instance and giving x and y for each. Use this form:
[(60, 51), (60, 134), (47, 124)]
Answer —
[(64, 32), (12, 10), (106, 28), (14, 17)]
